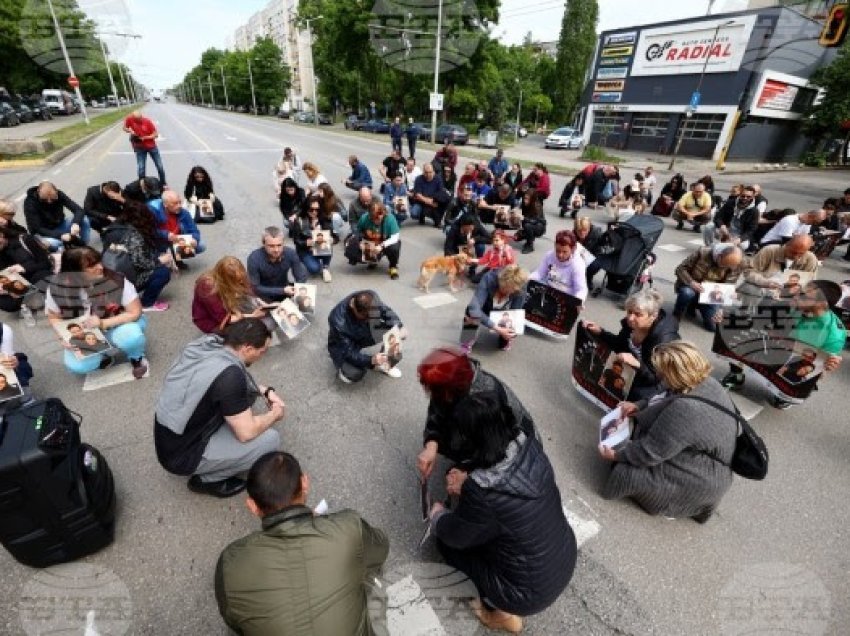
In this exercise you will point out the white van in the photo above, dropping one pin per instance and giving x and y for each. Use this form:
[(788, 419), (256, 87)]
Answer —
[(58, 101)]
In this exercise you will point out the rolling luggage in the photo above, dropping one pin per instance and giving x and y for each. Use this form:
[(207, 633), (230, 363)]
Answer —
[(57, 495)]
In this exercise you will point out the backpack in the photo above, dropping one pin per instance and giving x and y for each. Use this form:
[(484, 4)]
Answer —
[(115, 255)]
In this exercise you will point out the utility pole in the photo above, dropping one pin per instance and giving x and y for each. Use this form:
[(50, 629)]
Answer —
[(437, 69), (108, 70), (224, 84), (309, 22), (200, 90), (209, 83), (68, 61), (251, 79), (123, 82)]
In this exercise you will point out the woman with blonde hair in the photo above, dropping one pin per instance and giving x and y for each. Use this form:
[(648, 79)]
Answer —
[(677, 462), (314, 176), (224, 295), (499, 290)]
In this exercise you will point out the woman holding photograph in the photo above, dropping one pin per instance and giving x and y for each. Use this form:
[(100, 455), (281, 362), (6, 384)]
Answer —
[(224, 295), (100, 299), (677, 462), (11, 361), (498, 290), (562, 268), (301, 231), (24, 255), (199, 187), (290, 201), (645, 326)]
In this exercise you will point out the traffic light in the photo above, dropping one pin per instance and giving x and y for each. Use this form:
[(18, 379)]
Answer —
[(835, 27)]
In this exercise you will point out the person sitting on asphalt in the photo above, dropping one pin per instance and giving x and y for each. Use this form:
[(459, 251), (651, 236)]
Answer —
[(291, 200), (273, 268), (597, 183), (480, 187), (462, 205), (720, 263), (533, 220), (391, 166), (467, 235), (671, 192), (352, 324), (573, 196), (287, 167), (174, 221), (537, 180), (301, 230), (562, 268), (44, 207), (332, 208), (501, 196), (694, 207), (760, 280), (429, 197), (645, 326), (199, 187), (315, 178), (359, 207), (498, 167), (676, 463), (204, 425), (7, 218), (143, 190), (499, 290), (11, 360), (331, 559), (791, 225), (360, 176), (224, 295), (103, 204), (396, 198), (735, 222), (507, 532), (470, 171), (448, 177), (382, 236), (813, 323), (100, 299), (446, 156), (26, 256), (411, 172), (497, 256)]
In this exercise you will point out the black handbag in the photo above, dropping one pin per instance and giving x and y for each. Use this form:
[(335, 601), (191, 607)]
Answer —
[(750, 458)]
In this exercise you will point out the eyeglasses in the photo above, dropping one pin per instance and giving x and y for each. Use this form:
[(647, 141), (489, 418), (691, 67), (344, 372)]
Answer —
[(314, 208)]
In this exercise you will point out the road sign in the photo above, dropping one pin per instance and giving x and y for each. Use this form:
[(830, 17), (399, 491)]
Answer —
[(436, 101), (695, 97), (73, 82)]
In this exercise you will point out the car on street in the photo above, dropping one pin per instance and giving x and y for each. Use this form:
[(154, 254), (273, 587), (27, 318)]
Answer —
[(510, 130), (39, 108), (564, 138), (8, 117), (325, 119), (304, 117), (23, 112), (456, 133), (424, 130), (353, 122), (376, 126)]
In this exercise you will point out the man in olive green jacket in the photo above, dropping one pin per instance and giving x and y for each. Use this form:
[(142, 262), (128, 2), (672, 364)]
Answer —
[(303, 574)]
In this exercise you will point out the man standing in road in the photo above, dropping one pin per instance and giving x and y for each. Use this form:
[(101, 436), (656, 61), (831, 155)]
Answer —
[(204, 425), (269, 267), (395, 134), (143, 135), (302, 569), (44, 211), (412, 133)]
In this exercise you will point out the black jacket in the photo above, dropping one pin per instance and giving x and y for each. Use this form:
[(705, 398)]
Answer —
[(749, 218), (98, 207), (566, 195), (646, 382), (45, 219), (27, 251), (591, 241), (347, 336), (455, 240), (510, 536), (300, 230)]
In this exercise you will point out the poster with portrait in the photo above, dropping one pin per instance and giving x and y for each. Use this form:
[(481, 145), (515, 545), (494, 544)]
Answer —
[(185, 246), (392, 346), (290, 319), (507, 218), (370, 251), (305, 297), (549, 310), (590, 358), (322, 243), (616, 378), (85, 341), (793, 281), (10, 387), (825, 241), (513, 319), (722, 294), (614, 428), (13, 283)]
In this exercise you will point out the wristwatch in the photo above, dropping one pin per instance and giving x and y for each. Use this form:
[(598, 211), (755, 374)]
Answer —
[(267, 391)]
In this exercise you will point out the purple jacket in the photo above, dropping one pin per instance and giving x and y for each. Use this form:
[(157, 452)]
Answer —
[(567, 276)]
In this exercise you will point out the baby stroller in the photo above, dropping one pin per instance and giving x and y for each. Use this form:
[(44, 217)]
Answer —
[(625, 253)]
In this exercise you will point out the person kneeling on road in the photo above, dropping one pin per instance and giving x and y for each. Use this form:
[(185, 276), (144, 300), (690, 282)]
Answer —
[(204, 425), (499, 290), (352, 324), (377, 234)]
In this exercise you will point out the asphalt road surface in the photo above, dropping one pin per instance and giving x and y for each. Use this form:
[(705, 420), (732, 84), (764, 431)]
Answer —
[(773, 559)]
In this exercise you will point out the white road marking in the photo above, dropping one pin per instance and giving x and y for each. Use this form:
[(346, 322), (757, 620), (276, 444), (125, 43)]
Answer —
[(670, 247), (584, 529), (118, 374), (206, 150), (57, 171), (696, 242), (229, 138), (430, 301), (748, 408), (189, 130), (408, 611)]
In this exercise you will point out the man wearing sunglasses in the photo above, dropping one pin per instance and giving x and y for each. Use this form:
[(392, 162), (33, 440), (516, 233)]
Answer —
[(736, 221)]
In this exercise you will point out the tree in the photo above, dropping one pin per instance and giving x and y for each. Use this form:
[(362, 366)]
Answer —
[(827, 117), (575, 50)]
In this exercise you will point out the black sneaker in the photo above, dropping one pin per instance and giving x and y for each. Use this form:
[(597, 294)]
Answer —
[(680, 225), (779, 403), (106, 362), (733, 381), (222, 489), (181, 265), (527, 248)]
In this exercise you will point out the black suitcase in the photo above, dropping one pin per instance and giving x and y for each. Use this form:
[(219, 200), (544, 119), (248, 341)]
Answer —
[(57, 495)]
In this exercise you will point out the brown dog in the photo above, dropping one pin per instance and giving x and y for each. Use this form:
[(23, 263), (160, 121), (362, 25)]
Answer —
[(452, 266)]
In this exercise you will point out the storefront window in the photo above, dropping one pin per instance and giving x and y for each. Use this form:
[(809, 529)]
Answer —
[(606, 123), (703, 127), (650, 124)]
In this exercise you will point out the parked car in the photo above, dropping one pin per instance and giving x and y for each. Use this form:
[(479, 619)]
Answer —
[(424, 130), (509, 130), (304, 117), (325, 119), (353, 122), (58, 101), (8, 117), (564, 138), (376, 126), (39, 108), (23, 112), (456, 133)]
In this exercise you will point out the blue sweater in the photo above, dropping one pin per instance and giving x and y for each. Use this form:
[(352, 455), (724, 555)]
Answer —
[(185, 220)]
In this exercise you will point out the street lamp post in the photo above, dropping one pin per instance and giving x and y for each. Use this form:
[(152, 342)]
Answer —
[(251, 80), (224, 84), (437, 69), (518, 111), (68, 61), (108, 70), (309, 22), (123, 82), (209, 83), (690, 109)]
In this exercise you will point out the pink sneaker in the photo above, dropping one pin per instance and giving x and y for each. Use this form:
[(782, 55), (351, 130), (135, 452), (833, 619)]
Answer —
[(159, 305)]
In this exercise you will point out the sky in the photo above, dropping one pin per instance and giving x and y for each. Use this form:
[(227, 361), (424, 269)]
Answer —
[(176, 32)]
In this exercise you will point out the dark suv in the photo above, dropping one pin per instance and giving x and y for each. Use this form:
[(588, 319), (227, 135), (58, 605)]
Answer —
[(354, 122), (7, 116), (457, 134)]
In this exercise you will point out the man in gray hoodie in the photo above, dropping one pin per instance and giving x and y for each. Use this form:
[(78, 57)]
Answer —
[(204, 425)]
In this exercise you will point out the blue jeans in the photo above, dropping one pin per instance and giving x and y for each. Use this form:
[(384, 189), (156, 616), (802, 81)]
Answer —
[(158, 279), (315, 264), (129, 337), (685, 296), (54, 244), (141, 161)]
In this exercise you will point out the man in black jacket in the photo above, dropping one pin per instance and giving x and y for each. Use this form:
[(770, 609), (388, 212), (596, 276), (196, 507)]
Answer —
[(464, 233), (44, 211), (103, 204), (735, 222), (352, 327)]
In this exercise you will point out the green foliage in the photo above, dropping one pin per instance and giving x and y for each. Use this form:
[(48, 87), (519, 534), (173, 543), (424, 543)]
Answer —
[(575, 50), (599, 155), (814, 159), (825, 119)]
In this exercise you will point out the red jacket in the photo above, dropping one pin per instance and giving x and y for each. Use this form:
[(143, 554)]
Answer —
[(141, 128)]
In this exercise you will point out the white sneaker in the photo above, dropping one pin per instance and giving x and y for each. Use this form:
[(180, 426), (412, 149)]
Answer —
[(344, 379), (326, 275), (393, 372)]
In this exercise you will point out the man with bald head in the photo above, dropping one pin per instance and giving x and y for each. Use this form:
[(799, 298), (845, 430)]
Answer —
[(762, 278), (360, 205), (143, 135), (792, 225), (720, 263), (172, 220), (44, 210)]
